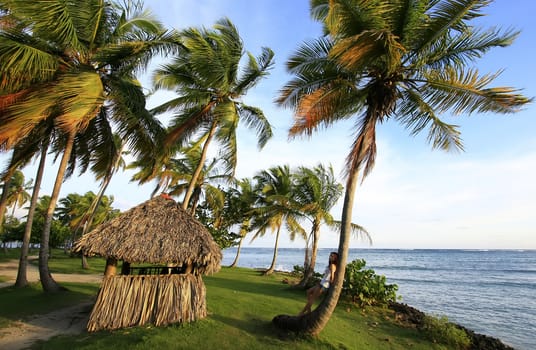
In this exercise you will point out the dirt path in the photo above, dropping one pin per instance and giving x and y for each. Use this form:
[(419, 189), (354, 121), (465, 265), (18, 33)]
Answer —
[(70, 320)]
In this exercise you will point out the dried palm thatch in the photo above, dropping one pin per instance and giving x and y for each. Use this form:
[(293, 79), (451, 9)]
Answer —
[(156, 231), (126, 301)]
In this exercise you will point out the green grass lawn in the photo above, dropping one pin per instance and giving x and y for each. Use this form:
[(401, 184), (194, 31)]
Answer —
[(21, 303), (241, 304)]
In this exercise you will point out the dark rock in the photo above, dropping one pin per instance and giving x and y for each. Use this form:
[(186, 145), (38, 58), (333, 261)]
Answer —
[(413, 316)]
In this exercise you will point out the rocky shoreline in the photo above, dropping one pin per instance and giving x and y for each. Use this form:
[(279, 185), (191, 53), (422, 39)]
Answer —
[(478, 341)]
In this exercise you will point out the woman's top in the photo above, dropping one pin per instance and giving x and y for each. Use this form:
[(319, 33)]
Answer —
[(326, 278)]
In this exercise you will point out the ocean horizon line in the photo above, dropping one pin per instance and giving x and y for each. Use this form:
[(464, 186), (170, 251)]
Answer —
[(403, 249)]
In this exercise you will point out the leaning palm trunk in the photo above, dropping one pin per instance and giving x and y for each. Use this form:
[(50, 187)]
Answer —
[(48, 283), (235, 262), (197, 172), (272, 266), (22, 279), (313, 323)]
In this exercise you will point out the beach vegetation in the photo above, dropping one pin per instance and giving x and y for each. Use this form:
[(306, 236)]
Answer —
[(81, 76), (210, 82), (439, 330), (240, 199), (317, 192), (380, 61), (365, 287), (240, 305), (276, 206)]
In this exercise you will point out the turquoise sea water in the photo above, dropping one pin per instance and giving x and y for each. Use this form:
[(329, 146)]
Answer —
[(489, 291)]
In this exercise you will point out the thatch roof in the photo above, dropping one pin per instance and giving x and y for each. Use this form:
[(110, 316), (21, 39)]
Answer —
[(156, 231)]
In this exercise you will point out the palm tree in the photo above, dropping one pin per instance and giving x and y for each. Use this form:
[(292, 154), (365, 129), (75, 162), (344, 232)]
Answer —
[(276, 206), (17, 192), (22, 280), (73, 63), (206, 76), (381, 60), (317, 191), (240, 205), (206, 186)]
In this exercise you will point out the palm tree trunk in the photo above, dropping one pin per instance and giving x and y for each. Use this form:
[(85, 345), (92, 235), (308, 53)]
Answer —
[(272, 267), (314, 254), (197, 171), (5, 190), (97, 200), (235, 262), (308, 273), (313, 323), (22, 280), (14, 207), (48, 283), (306, 263)]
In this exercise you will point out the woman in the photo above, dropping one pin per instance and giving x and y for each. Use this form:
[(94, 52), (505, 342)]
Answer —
[(329, 274)]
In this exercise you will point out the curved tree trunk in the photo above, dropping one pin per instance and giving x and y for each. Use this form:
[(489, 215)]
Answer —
[(48, 283), (22, 280), (235, 262), (272, 266), (197, 171), (313, 323)]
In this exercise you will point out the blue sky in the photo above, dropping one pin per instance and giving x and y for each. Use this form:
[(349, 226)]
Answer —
[(483, 198)]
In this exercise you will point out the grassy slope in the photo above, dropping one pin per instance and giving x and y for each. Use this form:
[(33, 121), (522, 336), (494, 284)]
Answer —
[(241, 304)]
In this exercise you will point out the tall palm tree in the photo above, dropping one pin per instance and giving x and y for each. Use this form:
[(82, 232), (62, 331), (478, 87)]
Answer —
[(380, 60), (73, 61), (209, 81), (276, 206), (22, 280)]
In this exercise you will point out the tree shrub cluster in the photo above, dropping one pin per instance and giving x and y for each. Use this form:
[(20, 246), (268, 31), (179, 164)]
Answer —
[(365, 287)]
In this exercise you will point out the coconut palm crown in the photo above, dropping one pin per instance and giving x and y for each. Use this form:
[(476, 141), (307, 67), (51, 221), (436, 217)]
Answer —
[(71, 61), (410, 61)]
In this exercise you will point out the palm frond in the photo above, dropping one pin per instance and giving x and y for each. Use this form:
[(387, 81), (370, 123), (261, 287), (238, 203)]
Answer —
[(52, 20), (254, 70), (463, 48), (446, 16), (255, 119), (416, 115), (467, 92), (25, 60)]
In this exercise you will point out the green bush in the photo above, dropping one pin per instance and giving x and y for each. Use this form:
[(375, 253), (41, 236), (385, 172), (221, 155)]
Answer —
[(365, 287), (440, 330)]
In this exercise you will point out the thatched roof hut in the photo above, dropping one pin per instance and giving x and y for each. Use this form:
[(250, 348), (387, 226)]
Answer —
[(157, 231)]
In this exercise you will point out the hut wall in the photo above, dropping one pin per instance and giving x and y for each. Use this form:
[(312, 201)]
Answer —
[(126, 301)]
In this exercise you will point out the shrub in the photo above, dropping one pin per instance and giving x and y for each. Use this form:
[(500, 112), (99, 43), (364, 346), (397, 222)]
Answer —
[(365, 287), (440, 330)]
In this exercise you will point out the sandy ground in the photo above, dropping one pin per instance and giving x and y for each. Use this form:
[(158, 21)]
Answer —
[(71, 320)]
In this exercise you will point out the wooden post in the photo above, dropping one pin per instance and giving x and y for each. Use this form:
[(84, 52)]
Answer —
[(111, 267), (189, 267)]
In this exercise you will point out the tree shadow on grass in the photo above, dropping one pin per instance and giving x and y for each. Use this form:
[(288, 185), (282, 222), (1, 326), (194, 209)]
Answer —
[(265, 332)]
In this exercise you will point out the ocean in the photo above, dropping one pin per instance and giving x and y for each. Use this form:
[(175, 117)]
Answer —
[(492, 292)]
